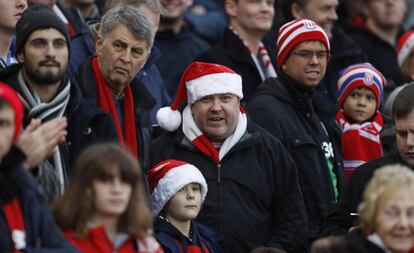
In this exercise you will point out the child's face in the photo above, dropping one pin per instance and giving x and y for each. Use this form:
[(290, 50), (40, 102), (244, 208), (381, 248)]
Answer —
[(111, 196), (6, 129), (360, 105), (186, 203)]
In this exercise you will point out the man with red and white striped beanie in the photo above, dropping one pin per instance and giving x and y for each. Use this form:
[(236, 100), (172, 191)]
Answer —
[(405, 52), (286, 107), (252, 181)]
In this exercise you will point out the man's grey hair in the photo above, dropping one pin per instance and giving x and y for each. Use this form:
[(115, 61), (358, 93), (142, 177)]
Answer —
[(134, 19)]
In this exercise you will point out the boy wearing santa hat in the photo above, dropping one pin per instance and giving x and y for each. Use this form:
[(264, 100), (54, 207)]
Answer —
[(178, 190)]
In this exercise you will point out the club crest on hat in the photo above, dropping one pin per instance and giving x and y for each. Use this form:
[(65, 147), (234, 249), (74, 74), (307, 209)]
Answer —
[(309, 25), (368, 79)]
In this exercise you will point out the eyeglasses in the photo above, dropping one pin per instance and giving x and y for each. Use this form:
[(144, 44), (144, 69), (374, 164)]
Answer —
[(307, 55)]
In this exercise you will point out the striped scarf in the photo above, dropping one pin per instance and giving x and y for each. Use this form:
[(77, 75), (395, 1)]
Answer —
[(262, 60), (201, 142), (52, 172), (360, 142)]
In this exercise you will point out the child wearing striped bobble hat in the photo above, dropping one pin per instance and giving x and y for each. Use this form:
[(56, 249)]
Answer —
[(360, 89)]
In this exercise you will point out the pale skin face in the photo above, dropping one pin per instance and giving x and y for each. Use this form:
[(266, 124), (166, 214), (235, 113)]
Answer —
[(307, 71), (111, 197), (45, 57), (11, 11), (251, 16), (217, 115), (404, 128), (323, 12), (387, 14), (7, 121), (394, 221), (175, 8), (360, 105), (120, 56), (185, 205)]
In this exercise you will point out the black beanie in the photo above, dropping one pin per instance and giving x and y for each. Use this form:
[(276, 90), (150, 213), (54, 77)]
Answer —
[(36, 18)]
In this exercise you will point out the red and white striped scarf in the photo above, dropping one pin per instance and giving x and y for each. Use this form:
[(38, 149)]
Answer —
[(360, 142), (262, 60), (193, 133)]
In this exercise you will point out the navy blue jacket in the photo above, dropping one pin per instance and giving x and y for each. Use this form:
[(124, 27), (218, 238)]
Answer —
[(177, 52), (167, 235), (42, 234)]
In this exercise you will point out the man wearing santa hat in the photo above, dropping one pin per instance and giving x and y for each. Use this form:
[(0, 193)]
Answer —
[(254, 198)]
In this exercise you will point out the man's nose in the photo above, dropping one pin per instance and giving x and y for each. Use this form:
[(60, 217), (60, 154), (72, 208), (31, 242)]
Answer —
[(126, 56)]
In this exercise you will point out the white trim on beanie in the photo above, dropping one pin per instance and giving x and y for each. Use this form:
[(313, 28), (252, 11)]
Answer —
[(172, 182), (211, 84), (405, 50), (359, 70), (299, 31)]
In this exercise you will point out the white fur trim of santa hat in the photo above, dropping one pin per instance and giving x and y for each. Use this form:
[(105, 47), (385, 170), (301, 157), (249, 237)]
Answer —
[(404, 47), (175, 179), (212, 84)]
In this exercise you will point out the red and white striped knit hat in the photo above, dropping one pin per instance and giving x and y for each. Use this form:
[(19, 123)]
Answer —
[(200, 79), (405, 46), (360, 75), (166, 178), (295, 32)]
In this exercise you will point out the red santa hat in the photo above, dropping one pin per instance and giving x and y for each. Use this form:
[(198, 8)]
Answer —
[(166, 178), (14, 101), (360, 75), (405, 46), (295, 32), (200, 79)]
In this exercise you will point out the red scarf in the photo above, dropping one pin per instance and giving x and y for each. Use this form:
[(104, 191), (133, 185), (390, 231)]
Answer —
[(106, 102), (193, 248), (14, 218), (360, 142)]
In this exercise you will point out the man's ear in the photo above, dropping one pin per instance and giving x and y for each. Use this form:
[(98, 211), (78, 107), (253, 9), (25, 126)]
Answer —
[(230, 6), (297, 11), (99, 44), (20, 57), (284, 67)]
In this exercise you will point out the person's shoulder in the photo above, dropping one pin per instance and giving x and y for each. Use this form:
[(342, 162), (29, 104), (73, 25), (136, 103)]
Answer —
[(364, 172)]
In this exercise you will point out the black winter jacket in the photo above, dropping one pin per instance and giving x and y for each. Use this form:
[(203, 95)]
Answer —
[(253, 195), (143, 103), (290, 116), (231, 52), (340, 220)]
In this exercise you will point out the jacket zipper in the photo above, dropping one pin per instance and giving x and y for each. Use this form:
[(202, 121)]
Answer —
[(218, 173)]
